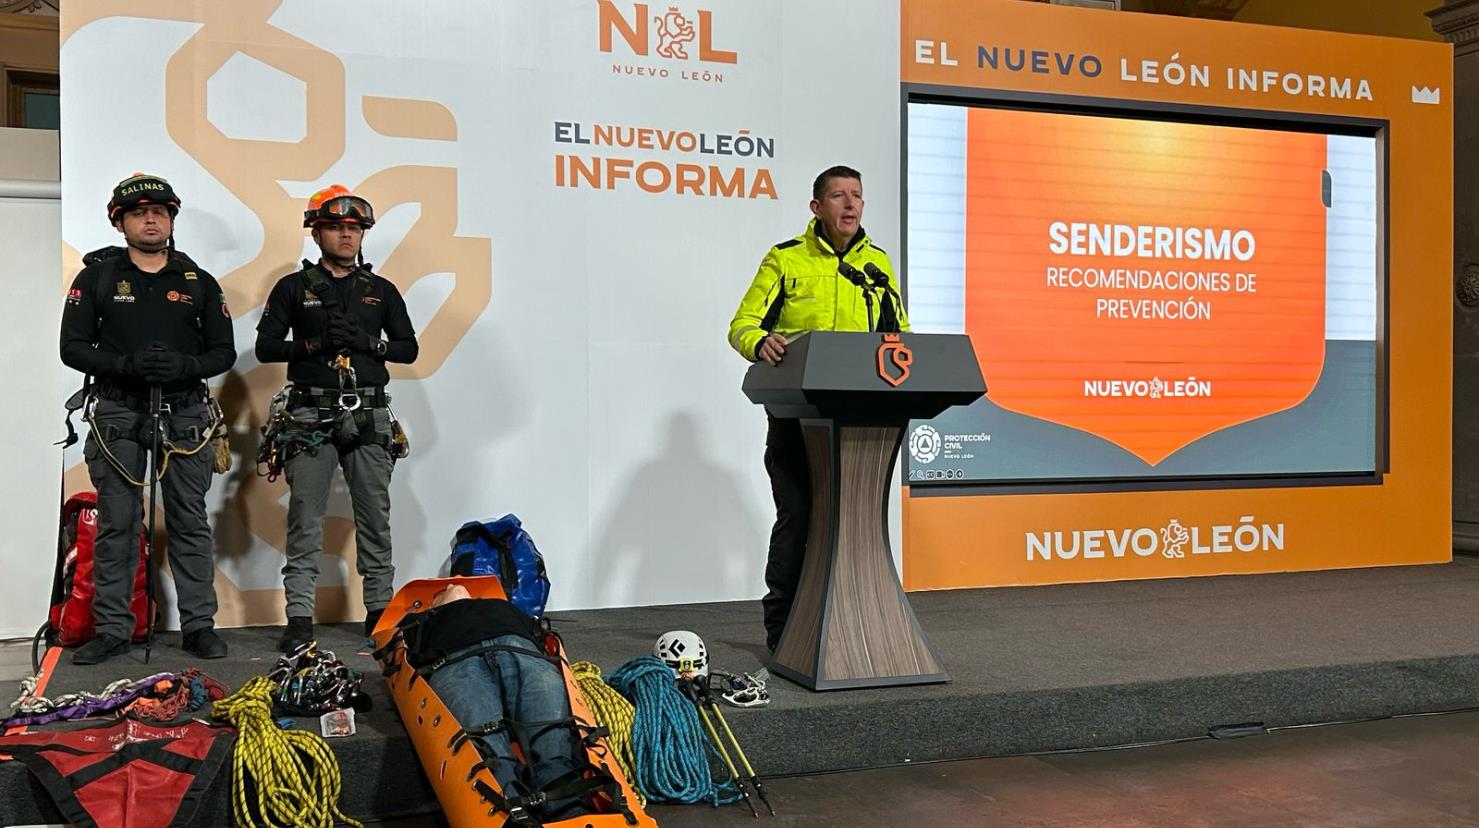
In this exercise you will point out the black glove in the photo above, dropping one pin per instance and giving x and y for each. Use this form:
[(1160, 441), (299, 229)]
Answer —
[(128, 366), (158, 367), (346, 334)]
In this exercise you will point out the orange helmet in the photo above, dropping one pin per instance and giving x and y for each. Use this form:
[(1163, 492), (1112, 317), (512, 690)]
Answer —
[(336, 203)]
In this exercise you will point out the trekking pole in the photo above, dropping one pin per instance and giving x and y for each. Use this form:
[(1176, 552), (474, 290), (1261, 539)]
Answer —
[(693, 690), (728, 763), (738, 751), (156, 403)]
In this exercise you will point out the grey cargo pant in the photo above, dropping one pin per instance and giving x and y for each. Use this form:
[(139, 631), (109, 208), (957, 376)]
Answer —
[(367, 464), (120, 511)]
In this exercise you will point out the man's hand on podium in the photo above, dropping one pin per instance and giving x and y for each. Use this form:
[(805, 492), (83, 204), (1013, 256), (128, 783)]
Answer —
[(772, 348)]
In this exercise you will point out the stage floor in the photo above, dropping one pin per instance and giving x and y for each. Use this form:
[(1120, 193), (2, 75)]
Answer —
[(1033, 669)]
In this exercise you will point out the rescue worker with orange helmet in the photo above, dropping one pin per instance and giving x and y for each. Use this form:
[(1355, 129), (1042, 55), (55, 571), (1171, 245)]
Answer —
[(139, 318), (336, 323)]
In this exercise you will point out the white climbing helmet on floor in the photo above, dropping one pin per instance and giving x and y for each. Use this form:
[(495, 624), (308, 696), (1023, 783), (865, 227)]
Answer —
[(684, 652)]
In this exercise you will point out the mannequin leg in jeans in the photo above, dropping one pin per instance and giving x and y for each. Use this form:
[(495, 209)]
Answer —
[(525, 688)]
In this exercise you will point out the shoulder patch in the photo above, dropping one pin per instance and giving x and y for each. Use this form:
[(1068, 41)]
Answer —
[(788, 243)]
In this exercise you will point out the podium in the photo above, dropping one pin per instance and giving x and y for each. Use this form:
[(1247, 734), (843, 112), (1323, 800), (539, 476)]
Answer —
[(851, 624)]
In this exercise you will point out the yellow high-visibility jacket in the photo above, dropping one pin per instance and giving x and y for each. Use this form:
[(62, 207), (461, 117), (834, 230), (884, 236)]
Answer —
[(799, 289)]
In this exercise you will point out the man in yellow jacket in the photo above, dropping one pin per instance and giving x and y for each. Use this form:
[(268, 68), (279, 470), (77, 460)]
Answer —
[(830, 278)]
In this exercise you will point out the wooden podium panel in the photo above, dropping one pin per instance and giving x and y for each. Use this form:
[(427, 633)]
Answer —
[(851, 624), (854, 394)]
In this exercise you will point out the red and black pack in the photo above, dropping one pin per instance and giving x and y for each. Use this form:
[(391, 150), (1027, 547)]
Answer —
[(71, 618)]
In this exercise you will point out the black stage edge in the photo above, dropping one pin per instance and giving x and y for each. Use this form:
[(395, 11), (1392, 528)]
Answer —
[(1044, 668)]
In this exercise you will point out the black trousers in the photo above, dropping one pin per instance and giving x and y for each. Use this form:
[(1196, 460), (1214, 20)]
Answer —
[(790, 486), (120, 514)]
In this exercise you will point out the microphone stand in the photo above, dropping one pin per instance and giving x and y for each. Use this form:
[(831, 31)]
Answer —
[(879, 280)]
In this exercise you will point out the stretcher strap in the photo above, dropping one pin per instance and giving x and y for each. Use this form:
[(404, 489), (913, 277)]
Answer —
[(581, 782), (588, 780), (517, 815)]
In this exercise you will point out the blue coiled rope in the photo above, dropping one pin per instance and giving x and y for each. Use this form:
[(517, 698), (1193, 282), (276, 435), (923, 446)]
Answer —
[(668, 741)]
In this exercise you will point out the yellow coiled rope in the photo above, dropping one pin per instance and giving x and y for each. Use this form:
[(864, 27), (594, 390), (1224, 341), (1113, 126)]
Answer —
[(613, 712), (293, 774)]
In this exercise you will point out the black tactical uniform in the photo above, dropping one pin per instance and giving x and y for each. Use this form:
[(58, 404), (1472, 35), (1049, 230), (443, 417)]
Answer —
[(322, 434), (130, 330)]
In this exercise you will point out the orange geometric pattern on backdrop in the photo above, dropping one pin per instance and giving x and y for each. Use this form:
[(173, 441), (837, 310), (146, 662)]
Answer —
[(1089, 357)]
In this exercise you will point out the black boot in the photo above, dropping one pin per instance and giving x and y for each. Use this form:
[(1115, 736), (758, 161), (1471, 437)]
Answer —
[(371, 619), (298, 633), (100, 649), (203, 643)]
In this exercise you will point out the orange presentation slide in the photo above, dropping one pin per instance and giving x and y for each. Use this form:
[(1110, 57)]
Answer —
[(1208, 270), (1148, 282)]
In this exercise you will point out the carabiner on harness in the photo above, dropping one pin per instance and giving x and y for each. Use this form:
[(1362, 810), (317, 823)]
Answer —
[(348, 385)]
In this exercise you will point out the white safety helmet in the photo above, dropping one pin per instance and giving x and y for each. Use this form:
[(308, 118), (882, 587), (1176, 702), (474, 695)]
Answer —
[(684, 652)]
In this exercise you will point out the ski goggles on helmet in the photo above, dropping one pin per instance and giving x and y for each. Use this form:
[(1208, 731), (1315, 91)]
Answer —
[(344, 207)]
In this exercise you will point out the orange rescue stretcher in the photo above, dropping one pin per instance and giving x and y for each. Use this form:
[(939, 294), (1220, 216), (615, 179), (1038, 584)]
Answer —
[(451, 764)]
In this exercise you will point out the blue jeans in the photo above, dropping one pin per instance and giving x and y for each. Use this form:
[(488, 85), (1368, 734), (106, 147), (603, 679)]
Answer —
[(525, 688)]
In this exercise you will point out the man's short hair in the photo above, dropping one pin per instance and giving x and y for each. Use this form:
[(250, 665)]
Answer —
[(819, 187)]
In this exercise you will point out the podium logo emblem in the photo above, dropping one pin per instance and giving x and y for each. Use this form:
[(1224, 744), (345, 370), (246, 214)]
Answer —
[(924, 444), (894, 359)]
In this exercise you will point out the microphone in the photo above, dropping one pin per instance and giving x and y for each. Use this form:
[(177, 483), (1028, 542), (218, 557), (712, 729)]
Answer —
[(856, 276), (876, 275), (852, 274)]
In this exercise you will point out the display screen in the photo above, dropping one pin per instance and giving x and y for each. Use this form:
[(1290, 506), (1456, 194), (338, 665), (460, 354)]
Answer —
[(1147, 298)]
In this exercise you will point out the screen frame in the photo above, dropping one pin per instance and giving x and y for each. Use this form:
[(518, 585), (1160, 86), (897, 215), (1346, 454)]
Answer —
[(1378, 129)]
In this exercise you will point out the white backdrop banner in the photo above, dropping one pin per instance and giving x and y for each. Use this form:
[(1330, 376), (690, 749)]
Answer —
[(30, 372), (573, 196)]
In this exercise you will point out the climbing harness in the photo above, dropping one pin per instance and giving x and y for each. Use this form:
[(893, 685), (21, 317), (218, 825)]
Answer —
[(283, 436), (161, 697), (33, 709), (171, 698), (169, 447)]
